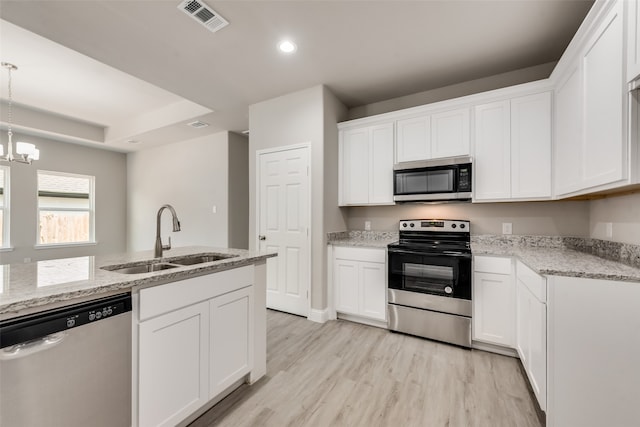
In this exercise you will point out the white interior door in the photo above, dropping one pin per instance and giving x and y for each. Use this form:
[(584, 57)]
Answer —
[(284, 218)]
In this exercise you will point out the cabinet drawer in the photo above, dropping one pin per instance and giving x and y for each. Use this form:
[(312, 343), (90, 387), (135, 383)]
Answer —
[(533, 281), (490, 264), (360, 254), (165, 298)]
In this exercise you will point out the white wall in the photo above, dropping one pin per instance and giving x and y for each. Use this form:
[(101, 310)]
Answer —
[(497, 81), (110, 171), (238, 191), (623, 212), (534, 218), (192, 176), (297, 118)]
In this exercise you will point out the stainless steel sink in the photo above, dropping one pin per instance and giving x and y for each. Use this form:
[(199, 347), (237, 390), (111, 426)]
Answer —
[(142, 268), (199, 259), (156, 265)]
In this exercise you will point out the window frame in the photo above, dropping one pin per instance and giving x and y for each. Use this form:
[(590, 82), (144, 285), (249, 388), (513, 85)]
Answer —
[(91, 210), (6, 209)]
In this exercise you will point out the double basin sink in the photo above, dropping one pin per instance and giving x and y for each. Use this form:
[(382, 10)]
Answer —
[(155, 265)]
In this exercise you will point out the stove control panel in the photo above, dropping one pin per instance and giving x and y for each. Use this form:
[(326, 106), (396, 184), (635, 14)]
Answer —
[(459, 226)]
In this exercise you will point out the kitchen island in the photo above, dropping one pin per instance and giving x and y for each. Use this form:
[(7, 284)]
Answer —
[(198, 324)]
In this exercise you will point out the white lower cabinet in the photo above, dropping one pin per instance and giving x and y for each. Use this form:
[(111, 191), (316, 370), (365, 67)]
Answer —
[(594, 349), (195, 340), (173, 354), (231, 339), (359, 282), (493, 301), (531, 328)]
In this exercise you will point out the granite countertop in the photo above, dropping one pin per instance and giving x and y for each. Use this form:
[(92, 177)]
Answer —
[(554, 256), (547, 255), (35, 284), (359, 238)]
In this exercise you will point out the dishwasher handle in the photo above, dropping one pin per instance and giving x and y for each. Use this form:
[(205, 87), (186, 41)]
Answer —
[(31, 347)]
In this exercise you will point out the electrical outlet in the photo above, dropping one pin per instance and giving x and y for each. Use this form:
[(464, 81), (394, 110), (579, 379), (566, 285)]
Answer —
[(367, 225), (608, 230), (214, 209), (27, 260), (507, 228)]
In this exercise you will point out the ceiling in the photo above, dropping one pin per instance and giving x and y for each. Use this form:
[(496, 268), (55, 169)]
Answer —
[(141, 69)]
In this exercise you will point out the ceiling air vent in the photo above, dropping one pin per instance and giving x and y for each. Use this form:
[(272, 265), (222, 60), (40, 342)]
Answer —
[(198, 124), (203, 14)]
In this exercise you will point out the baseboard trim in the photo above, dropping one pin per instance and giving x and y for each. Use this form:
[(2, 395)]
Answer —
[(363, 320), (492, 348), (319, 316)]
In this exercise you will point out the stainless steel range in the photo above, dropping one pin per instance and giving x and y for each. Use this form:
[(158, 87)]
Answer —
[(429, 286)]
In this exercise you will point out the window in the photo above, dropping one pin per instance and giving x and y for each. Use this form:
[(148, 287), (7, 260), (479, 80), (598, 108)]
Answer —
[(4, 206), (65, 208)]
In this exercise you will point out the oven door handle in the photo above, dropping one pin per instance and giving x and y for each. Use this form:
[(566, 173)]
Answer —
[(443, 253)]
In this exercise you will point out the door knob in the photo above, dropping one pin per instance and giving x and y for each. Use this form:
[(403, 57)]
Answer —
[(262, 237)]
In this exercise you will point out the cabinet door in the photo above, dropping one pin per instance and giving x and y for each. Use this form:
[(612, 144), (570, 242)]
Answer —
[(345, 282), (231, 343), (492, 163), (538, 350), (568, 135), (494, 309), (381, 164), (633, 40), (594, 349), (450, 133), (531, 146), (523, 320), (355, 166), (413, 140), (173, 365), (604, 143), (373, 294)]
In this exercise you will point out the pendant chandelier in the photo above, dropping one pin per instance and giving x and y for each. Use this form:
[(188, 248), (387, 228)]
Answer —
[(25, 152)]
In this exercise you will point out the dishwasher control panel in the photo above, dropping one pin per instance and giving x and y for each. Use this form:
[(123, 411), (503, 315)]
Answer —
[(38, 325)]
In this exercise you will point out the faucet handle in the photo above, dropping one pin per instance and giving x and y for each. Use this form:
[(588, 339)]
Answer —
[(167, 247)]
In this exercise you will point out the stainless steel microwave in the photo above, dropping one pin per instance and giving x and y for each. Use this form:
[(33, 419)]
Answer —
[(447, 179)]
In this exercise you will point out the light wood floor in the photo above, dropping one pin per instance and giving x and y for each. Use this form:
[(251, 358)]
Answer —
[(346, 374)]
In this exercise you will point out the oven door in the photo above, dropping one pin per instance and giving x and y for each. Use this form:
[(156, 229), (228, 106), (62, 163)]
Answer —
[(446, 274)]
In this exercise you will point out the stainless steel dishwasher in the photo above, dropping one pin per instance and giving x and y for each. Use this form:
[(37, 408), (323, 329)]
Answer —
[(68, 367)]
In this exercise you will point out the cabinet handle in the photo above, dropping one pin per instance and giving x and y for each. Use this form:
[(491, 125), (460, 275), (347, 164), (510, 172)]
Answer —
[(262, 237)]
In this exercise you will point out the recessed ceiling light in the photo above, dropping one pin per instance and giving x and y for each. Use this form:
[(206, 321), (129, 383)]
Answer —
[(287, 46)]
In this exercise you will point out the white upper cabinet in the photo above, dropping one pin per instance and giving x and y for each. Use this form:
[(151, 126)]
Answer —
[(492, 165), (513, 149), (450, 133), (591, 145), (531, 146), (604, 103), (414, 139), (381, 164), (433, 136), (633, 40), (568, 134), (354, 150), (366, 165)]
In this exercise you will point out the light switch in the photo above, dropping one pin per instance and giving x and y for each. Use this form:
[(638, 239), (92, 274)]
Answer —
[(507, 228), (367, 225), (214, 209), (608, 229)]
